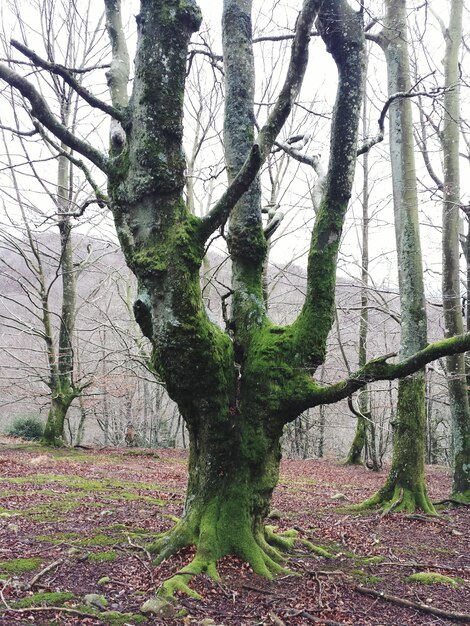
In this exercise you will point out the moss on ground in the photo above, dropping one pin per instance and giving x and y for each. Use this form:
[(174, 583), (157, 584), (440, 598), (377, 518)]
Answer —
[(433, 578), (103, 557), (366, 578), (58, 537), (45, 598), (369, 560), (114, 618), (19, 566), (96, 540)]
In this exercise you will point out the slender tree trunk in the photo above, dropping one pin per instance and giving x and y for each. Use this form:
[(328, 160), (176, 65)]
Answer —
[(405, 488), (54, 429), (62, 387), (456, 375), (360, 436)]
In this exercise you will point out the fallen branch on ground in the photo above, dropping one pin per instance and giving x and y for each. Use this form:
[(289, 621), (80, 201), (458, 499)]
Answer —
[(312, 618), (44, 571), (277, 620), (425, 608)]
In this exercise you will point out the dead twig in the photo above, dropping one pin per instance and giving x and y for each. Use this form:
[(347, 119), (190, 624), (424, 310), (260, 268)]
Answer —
[(277, 620), (414, 564), (143, 563), (139, 547), (425, 608), (312, 618), (42, 573), (56, 609), (426, 518), (265, 591)]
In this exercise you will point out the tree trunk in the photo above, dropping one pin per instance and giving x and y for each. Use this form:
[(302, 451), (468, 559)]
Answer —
[(456, 375), (54, 429), (232, 473), (358, 443), (405, 488), (360, 436), (61, 383)]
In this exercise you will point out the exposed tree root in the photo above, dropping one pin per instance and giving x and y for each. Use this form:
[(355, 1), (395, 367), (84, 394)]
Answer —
[(458, 499), (398, 499), (223, 528), (263, 550)]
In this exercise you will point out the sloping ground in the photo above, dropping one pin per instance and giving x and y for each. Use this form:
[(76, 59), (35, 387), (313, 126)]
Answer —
[(88, 515)]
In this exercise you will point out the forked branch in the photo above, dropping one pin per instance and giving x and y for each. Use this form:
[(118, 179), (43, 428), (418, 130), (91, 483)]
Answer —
[(268, 133), (64, 73), (41, 111)]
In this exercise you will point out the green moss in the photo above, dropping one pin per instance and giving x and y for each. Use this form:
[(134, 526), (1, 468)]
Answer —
[(6, 513), (58, 537), (366, 578), (433, 578), (114, 618), (45, 599), (142, 453), (19, 566), (102, 557), (463, 497), (318, 550), (370, 560), (126, 495), (96, 540)]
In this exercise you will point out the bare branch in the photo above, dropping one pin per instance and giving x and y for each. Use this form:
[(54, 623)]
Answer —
[(41, 111), (381, 121), (61, 71)]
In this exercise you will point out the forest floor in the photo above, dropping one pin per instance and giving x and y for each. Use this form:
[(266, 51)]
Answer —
[(75, 522)]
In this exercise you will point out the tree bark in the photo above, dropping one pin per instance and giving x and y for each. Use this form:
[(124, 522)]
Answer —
[(359, 442), (405, 488), (456, 375)]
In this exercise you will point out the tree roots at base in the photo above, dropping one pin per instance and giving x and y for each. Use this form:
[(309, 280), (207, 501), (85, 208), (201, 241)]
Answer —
[(264, 551), (398, 499)]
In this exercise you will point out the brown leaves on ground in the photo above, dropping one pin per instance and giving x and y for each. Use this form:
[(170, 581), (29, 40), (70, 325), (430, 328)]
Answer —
[(87, 515)]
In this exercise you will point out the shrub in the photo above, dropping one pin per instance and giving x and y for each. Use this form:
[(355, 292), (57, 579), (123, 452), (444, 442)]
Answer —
[(30, 428)]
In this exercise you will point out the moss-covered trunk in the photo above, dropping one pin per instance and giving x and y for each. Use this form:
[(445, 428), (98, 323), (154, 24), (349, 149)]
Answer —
[(54, 430), (359, 441), (405, 487), (456, 375), (233, 470)]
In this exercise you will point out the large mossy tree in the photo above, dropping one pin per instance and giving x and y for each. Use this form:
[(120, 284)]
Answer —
[(236, 390)]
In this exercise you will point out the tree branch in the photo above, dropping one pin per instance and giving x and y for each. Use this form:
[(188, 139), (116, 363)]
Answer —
[(265, 139), (41, 111), (378, 369), (381, 121), (100, 196), (425, 608), (64, 73), (118, 74)]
